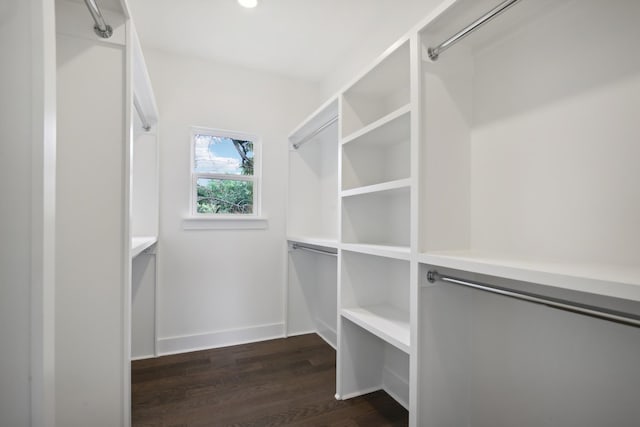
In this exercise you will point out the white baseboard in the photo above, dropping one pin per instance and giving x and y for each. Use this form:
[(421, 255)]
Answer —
[(149, 356), (393, 384), (327, 333), (396, 386), (188, 343), (358, 393), (324, 331), (298, 333)]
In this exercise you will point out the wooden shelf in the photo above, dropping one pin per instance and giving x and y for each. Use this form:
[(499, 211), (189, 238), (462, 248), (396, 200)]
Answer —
[(389, 129), (608, 280), (397, 185), (384, 321), (387, 251), (140, 243)]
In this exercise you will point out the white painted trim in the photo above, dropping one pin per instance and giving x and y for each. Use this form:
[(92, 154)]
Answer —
[(396, 386), (359, 393), (126, 229), (326, 337), (256, 178), (285, 273), (331, 335), (145, 357), (391, 389), (43, 199), (225, 223), (188, 343)]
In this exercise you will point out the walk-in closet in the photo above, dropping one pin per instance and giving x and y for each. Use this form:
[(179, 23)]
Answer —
[(370, 213)]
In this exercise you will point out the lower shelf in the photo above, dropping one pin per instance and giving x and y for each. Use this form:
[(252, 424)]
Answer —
[(139, 244), (388, 251), (384, 321)]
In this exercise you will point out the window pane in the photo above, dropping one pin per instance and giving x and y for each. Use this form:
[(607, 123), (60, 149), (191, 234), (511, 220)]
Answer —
[(225, 196), (217, 154)]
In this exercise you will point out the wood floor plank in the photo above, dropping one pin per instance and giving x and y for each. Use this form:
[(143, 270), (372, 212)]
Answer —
[(284, 382)]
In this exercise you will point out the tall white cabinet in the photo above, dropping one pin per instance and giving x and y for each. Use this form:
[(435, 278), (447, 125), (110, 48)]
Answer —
[(106, 196), (376, 183), (509, 161), (529, 183)]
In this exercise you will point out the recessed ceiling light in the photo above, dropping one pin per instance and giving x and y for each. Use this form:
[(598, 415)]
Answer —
[(249, 4)]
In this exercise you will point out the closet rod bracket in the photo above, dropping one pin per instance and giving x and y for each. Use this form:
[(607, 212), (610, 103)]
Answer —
[(106, 33), (432, 276), (101, 28)]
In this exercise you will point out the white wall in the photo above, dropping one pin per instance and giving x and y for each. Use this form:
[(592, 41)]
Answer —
[(393, 23), (215, 281), (27, 167)]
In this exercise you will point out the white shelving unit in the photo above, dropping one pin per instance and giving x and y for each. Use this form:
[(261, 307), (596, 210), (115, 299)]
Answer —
[(313, 177), (528, 183), (376, 175), (377, 218), (312, 226), (375, 296), (509, 160), (311, 290), (144, 210), (388, 251), (378, 94), (379, 153)]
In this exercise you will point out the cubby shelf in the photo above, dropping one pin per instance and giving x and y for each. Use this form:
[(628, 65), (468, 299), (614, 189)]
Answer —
[(600, 279), (387, 251), (397, 185), (387, 130), (384, 321)]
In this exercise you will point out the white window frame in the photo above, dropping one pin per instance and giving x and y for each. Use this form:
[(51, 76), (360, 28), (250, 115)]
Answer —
[(256, 178)]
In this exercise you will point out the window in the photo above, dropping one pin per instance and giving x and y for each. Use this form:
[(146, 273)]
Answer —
[(224, 173)]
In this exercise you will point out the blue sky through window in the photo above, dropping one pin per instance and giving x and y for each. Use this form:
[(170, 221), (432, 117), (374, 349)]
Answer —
[(216, 154)]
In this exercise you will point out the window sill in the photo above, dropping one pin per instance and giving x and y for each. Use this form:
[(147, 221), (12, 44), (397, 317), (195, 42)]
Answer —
[(225, 223)]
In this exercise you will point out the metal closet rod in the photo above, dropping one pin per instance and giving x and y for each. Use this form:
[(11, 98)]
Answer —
[(145, 123), (308, 137), (101, 28), (589, 310), (434, 52), (318, 251)]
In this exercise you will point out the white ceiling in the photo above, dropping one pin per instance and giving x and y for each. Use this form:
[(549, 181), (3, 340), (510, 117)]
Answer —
[(301, 38)]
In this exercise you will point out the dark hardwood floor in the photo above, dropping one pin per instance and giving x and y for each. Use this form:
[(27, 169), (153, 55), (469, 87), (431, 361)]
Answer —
[(283, 382)]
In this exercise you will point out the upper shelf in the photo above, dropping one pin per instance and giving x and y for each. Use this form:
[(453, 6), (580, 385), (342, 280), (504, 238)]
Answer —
[(397, 185), (382, 90), (606, 280), (388, 130), (315, 123)]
